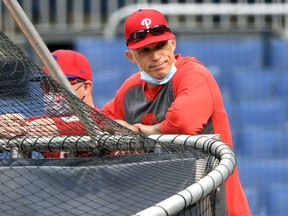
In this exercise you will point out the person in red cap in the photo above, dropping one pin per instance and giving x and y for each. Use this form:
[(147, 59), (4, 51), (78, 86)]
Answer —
[(171, 94), (77, 69), (60, 119)]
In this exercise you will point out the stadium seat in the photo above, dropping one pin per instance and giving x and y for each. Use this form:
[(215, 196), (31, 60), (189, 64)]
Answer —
[(230, 109), (217, 74), (36, 155), (105, 87), (5, 155), (248, 84), (283, 85), (223, 54), (253, 199), (267, 113), (262, 172), (279, 56), (105, 55), (229, 106), (261, 175), (284, 146), (259, 143), (109, 65), (277, 200)]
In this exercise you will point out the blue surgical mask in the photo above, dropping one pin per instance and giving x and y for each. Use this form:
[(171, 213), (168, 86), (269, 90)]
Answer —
[(56, 105), (146, 77)]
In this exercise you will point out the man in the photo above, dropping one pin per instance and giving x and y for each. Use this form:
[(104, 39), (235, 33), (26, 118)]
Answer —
[(171, 94), (77, 69), (59, 119)]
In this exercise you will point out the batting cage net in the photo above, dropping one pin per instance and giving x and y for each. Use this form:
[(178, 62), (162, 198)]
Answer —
[(92, 165)]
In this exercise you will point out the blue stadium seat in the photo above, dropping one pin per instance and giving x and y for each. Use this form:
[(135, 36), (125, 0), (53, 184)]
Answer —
[(249, 84), (279, 55), (217, 74), (267, 113), (284, 147), (105, 87), (37, 155), (223, 54), (253, 199), (34, 155), (109, 65), (283, 85), (105, 55), (261, 175), (5, 155), (259, 143), (229, 107), (277, 200)]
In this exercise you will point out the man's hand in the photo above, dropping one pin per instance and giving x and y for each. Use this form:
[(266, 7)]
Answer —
[(42, 127), (126, 124), (148, 129), (12, 124), (141, 128)]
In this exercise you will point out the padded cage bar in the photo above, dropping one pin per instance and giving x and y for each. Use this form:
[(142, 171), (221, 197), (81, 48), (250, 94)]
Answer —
[(172, 205), (204, 186)]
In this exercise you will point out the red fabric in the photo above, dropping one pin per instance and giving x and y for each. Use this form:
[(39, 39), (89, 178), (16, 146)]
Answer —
[(73, 64), (197, 98), (67, 126), (56, 154), (70, 126)]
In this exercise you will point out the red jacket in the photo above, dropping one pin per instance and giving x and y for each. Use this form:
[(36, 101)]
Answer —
[(66, 126), (190, 103)]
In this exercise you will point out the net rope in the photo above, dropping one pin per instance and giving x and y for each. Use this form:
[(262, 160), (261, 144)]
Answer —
[(105, 170)]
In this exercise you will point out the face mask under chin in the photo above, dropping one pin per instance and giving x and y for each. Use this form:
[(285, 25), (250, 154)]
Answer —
[(145, 76), (56, 105)]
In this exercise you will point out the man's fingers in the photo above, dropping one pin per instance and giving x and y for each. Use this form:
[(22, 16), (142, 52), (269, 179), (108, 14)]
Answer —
[(126, 124), (11, 126)]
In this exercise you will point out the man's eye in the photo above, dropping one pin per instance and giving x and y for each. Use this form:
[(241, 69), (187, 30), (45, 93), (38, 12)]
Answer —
[(144, 50), (161, 45)]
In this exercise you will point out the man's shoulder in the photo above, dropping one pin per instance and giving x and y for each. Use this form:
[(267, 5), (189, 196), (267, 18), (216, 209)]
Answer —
[(189, 64), (134, 79), (187, 60), (191, 68)]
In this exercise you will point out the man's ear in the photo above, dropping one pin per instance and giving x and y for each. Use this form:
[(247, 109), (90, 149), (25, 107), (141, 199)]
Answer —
[(130, 56), (88, 85), (173, 44)]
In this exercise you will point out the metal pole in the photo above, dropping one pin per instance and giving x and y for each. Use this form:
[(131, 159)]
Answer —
[(38, 44), (45, 55)]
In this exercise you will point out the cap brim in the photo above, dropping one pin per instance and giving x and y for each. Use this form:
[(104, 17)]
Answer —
[(151, 40), (39, 78), (71, 77)]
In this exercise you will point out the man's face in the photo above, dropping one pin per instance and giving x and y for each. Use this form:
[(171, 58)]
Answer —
[(156, 59)]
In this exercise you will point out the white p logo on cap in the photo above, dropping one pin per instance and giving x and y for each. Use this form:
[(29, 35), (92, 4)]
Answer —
[(146, 22)]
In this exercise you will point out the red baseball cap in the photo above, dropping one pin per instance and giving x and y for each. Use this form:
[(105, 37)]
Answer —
[(73, 64), (145, 19)]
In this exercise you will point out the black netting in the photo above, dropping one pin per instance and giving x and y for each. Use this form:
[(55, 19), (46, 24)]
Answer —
[(105, 169), (116, 186)]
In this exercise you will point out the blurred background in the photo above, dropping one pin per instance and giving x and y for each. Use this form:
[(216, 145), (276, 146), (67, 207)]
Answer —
[(244, 43)]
